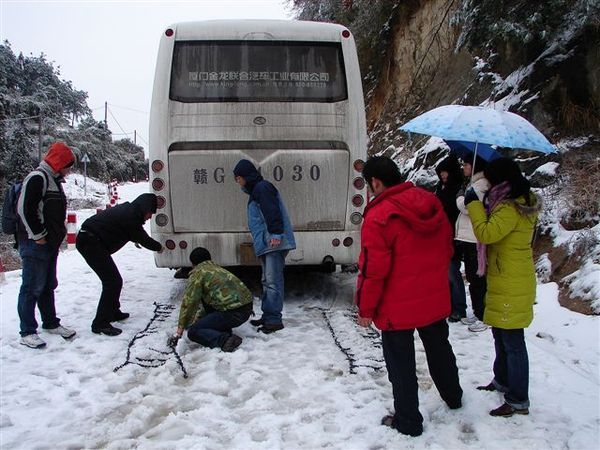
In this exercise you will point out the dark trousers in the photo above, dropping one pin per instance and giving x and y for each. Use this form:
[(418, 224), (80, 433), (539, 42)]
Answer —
[(101, 262), (511, 366), (37, 286), (213, 329), (458, 297), (467, 252), (399, 354)]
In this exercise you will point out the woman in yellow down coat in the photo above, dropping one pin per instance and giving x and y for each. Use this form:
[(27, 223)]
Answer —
[(505, 223)]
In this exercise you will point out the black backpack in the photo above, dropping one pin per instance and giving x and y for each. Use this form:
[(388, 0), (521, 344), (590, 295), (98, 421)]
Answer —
[(10, 219)]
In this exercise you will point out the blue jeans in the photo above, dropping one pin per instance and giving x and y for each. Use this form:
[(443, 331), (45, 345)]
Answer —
[(511, 366), (213, 329), (37, 286), (458, 296), (272, 284)]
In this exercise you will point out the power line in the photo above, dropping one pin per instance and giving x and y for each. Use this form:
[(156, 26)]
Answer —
[(116, 121), (145, 141), (129, 109)]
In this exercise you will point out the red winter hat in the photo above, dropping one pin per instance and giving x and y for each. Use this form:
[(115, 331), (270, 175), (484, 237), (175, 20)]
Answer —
[(59, 156)]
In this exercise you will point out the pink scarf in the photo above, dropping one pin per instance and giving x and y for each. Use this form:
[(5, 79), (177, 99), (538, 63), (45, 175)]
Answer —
[(495, 195)]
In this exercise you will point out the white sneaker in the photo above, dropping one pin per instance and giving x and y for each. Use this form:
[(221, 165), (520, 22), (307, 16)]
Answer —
[(62, 331), (468, 320), (478, 326), (32, 341)]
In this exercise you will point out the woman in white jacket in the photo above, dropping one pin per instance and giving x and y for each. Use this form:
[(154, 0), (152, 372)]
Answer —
[(466, 248)]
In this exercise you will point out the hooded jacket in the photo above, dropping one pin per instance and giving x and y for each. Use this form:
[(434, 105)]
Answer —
[(116, 226), (406, 247), (42, 204), (267, 216), (511, 283)]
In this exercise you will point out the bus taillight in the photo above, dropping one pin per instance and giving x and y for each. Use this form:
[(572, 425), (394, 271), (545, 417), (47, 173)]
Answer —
[(358, 200), (158, 184), (182, 245), (160, 202), (170, 244), (162, 220), (359, 165), (359, 183), (169, 32), (356, 218), (346, 34), (157, 165), (335, 242), (348, 242)]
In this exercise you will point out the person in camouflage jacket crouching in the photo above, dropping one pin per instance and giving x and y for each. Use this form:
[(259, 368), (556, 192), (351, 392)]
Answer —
[(214, 302)]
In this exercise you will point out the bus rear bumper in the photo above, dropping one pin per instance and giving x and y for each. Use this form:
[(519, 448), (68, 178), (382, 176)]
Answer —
[(235, 249)]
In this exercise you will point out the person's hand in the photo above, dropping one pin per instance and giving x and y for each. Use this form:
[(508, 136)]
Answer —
[(364, 321), (173, 340), (41, 241), (274, 242), (470, 196)]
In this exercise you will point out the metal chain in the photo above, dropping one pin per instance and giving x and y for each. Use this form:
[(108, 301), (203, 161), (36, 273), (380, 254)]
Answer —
[(161, 312), (347, 351)]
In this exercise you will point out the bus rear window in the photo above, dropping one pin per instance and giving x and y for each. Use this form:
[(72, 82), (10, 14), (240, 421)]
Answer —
[(257, 71)]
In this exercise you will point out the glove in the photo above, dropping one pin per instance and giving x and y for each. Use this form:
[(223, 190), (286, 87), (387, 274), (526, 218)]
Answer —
[(173, 340), (470, 196)]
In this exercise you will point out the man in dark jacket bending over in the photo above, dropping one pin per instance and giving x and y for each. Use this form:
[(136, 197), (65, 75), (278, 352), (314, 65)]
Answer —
[(101, 236)]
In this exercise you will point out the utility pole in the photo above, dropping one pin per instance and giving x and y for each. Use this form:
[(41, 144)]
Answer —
[(135, 137), (40, 136), (105, 128)]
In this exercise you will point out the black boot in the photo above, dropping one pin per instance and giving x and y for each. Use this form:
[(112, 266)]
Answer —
[(231, 343), (119, 315), (271, 328), (106, 329), (257, 322)]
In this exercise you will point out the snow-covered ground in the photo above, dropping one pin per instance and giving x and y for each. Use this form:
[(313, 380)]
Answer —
[(318, 383)]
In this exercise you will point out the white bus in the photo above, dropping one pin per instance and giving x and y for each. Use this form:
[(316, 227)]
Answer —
[(286, 95)]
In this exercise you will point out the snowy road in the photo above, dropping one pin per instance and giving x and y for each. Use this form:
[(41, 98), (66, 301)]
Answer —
[(318, 383)]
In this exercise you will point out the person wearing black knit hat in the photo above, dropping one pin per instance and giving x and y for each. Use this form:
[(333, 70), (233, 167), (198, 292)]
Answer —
[(104, 234), (272, 238), (214, 302)]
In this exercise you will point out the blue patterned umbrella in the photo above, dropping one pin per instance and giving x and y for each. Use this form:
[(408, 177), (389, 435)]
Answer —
[(480, 125)]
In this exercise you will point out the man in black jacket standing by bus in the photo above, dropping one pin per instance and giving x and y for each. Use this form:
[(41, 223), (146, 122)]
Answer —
[(101, 236)]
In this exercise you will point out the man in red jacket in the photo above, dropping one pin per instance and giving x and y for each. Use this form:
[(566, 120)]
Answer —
[(403, 285)]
